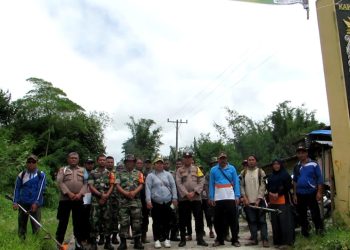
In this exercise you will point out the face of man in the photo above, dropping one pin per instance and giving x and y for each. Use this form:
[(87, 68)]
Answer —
[(101, 161), (166, 165), (110, 163), (139, 165), (73, 160), (148, 165), (129, 165), (223, 161), (251, 161), (31, 164), (187, 161), (302, 155), (89, 166), (178, 164)]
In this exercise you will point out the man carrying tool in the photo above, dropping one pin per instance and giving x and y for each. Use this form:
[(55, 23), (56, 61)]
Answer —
[(253, 189), (29, 189)]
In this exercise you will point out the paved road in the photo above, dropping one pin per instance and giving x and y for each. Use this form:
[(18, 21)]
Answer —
[(244, 235)]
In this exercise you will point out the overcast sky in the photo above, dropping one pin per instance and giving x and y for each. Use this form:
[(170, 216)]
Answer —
[(177, 59)]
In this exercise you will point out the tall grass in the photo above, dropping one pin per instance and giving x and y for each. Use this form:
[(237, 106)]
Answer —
[(8, 229)]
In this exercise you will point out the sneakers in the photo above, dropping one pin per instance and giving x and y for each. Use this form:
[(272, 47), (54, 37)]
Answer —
[(167, 244), (157, 244)]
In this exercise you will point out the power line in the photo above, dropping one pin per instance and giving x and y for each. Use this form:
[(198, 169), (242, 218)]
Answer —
[(193, 112), (177, 122)]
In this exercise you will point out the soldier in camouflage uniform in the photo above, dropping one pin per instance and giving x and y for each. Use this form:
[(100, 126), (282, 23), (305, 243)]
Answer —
[(129, 184), (114, 202), (101, 184), (145, 210)]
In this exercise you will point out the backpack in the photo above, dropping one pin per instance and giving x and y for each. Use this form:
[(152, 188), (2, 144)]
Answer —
[(244, 172)]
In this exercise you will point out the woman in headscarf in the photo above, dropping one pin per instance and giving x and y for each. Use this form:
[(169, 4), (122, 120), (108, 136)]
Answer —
[(279, 184)]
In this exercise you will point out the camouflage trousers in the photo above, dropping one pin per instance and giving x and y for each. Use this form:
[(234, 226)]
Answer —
[(100, 219), (130, 213), (114, 211)]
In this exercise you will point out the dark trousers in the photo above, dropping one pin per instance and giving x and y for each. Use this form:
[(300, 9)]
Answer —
[(309, 201), (63, 214), (161, 214), (208, 213), (282, 225), (257, 221), (86, 222), (174, 223), (145, 218), (23, 220), (186, 209), (225, 216)]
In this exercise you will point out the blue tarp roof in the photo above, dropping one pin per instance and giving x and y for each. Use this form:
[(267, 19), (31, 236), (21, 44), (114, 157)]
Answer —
[(321, 132)]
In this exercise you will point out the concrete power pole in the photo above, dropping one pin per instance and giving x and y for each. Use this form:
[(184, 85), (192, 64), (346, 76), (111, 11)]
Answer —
[(177, 134)]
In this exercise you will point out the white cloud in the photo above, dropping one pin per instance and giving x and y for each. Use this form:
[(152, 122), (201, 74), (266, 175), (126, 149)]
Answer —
[(183, 59)]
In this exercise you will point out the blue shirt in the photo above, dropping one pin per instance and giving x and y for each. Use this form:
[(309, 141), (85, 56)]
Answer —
[(217, 177), (30, 189), (307, 177)]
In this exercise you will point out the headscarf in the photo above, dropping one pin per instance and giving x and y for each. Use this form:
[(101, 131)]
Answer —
[(279, 181)]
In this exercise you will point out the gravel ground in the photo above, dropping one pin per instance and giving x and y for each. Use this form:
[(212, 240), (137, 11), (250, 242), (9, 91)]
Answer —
[(243, 238)]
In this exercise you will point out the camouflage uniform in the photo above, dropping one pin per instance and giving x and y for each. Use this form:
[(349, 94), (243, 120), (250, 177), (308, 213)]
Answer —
[(114, 207), (130, 209), (100, 217)]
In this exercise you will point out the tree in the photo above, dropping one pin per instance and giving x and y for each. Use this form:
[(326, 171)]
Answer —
[(273, 137), (145, 141), (205, 149), (45, 103), (289, 124), (6, 108)]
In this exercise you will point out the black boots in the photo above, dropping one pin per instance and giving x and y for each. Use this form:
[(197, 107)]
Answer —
[(115, 239), (93, 244), (182, 241), (138, 244), (101, 240), (108, 244), (144, 238), (201, 242), (122, 245)]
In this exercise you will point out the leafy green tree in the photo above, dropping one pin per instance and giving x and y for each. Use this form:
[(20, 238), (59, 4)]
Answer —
[(273, 137), (289, 124), (145, 141), (6, 108), (42, 107), (205, 149)]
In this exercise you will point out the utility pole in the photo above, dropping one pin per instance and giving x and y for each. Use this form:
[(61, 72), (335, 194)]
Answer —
[(177, 134)]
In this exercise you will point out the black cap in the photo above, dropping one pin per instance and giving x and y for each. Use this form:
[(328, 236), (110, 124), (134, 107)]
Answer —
[(301, 148), (89, 160), (147, 161)]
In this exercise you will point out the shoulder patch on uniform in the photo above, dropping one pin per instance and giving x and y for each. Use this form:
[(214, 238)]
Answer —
[(199, 172)]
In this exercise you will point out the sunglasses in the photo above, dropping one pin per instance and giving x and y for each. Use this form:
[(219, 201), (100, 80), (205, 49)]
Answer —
[(31, 162)]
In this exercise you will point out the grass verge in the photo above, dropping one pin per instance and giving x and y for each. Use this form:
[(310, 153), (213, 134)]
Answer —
[(9, 225)]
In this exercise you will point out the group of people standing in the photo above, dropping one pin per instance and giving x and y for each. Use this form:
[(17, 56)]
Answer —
[(106, 200)]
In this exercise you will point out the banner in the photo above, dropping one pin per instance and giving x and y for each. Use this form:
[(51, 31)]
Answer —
[(342, 10), (305, 3)]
